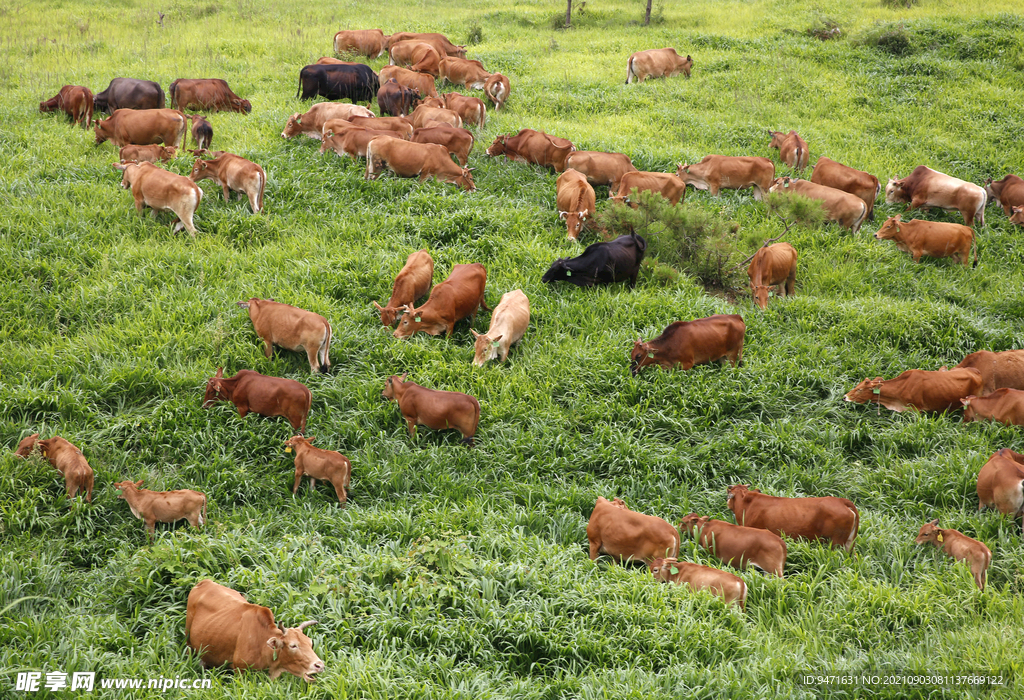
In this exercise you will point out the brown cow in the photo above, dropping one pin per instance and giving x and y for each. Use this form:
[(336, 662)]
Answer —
[(925, 188), (141, 127), (998, 369), (223, 627), (919, 389), (424, 113), (154, 507), (206, 94), (729, 587), (471, 109), (575, 201), (412, 282), (690, 343), (402, 127), (1001, 483), (74, 100), (1003, 405), (624, 534), (66, 458), (737, 545), (439, 41), (601, 168), (160, 190), (363, 42), (201, 130), (1007, 193), (450, 301), (420, 82), (351, 141), (407, 159), (824, 518), (847, 209), (233, 173), (291, 328), (437, 102), (266, 396), (329, 61), (150, 153), (315, 463), (437, 410), (509, 322), (529, 146), (772, 265), (715, 173), (312, 122), (959, 546), (458, 142), (666, 184), (842, 177), (657, 63), (459, 71), (418, 55), (397, 100), (792, 149), (933, 238), (497, 89)]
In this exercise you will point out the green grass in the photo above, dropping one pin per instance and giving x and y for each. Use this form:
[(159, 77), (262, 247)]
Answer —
[(459, 573)]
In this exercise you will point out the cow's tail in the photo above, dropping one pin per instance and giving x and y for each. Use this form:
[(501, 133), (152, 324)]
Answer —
[(298, 90), (799, 158), (325, 351), (979, 214), (743, 595), (202, 515), (263, 186), (629, 71), (481, 120), (856, 526), (179, 140), (172, 90), (860, 219)]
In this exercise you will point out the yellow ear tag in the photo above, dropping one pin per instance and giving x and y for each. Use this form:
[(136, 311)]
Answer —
[(287, 449), (939, 538)]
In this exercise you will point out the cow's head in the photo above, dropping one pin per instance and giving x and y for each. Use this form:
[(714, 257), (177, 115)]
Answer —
[(240, 105), (890, 229), (498, 147), (25, 447), (781, 183), (558, 271), (969, 413), (776, 139), (687, 65), (618, 503), (894, 192), (735, 496), (411, 322), (641, 356), (200, 170), (930, 532), (104, 130), (293, 127), (215, 389), (127, 486), (1017, 217), (761, 293), (465, 180), (292, 443), (49, 105), (682, 169), (391, 384), (574, 221), (485, 348), (868, 390), (388, 314), (293, 653), (661, 568), (131, 171), (692, 522), (460, 51)]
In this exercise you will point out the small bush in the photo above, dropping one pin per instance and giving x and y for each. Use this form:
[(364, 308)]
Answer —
[(890, 38), (475, 35), (897, 4), (824, 29)]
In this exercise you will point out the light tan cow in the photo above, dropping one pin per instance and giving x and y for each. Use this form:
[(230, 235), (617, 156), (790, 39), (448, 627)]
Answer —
[(291, 328), (842, 177), (150, 153), (312, 122), (412, 282), (497, 89), (925, 188), (509, 322), (422, 114), (792, 149), (363, 42), (847, 209), (575, 200), (316, 463), (459, 142), (1001, 483), (936, 239), (421, 160), (657, 63), (154, 507), (233, 173), (623, 534), (737, 545), (422, 82), (65, 458), (715, 173), (728, 587), (959, 546), (351, 141), (772, 265), (601, 168), (1002, 405), (471, 109), (400, 125), (160, 190), (460, 71), (666, 184), (998, 369), (417, 55)]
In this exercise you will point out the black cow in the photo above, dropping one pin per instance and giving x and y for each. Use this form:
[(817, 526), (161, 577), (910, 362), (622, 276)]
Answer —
[(397, 100), (601, 263), (339, 82), (129, 93)]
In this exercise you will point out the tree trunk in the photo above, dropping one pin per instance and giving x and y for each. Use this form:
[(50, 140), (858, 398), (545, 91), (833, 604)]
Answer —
[(568, 12), (647, 15)]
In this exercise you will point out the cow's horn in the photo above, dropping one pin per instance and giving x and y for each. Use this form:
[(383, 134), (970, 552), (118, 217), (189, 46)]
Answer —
[(307, 623)]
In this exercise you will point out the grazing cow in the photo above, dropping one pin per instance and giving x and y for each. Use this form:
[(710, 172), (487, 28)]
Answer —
[(74, 100), (154, 507), (998, 369), (315, 463), (792, 149), (397, 100), (472, 110), (625, 535), (1001, 483), (328, 61), (402, 127), (312, 122), (715, 173), (529, 146), (291, 328), (66, 458), (842, 177), (223, 627), (772, 265), (160, 190), (129, 93), (202, 130), (959, 546), (362, 42), (418, 55), (847, 209), (407, 159), (601, 263), (925, 188), (690, 343), (450, 301), (412, 282), (267, 396), (422, 83), (233, 173), (667, 185), (206, 95), (729, 587), (459, 71), (933, 238), (437, 102), (351, 141), (1018, 216), (657, 63), (439, 41), (601, 168), (338, 82), (141, 127), (149, 153), (1003, 405), (458, 142), (575, 200), (919, 389), (824, 518), (1007, 193), (509, 321), (737, 545), (437, 410), (497, 89), (423, 114)]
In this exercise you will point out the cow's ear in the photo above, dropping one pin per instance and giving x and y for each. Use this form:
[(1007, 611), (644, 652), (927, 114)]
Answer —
[(220, 372), (275, 643), (688, 57), (899, 218), (138, 484), (404, 375), (243, 304), (934, 522)]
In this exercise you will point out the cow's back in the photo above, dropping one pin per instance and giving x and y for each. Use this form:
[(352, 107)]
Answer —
[(213, 614), (998, 369)]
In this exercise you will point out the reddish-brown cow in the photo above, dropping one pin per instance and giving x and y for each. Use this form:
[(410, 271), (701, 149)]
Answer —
[(1018, 216), (364, 42), (1002, 405), (351, 141), (440, 42), (74, 100), (417, 55), (312, 122), (472, 110), (728, 587), (925, 188), (919, 389), (267, 396), (792, 149), (397, 100), (206, 94), (824, 518), (624, 534), (998, 369), (458, 142), (959, 546), (424, 113), (142, 126), (1001, 483), (422, 83), (1007, 193), (933, 238), (437, 410), (459, 71), (575, 201), (847, 209), (402, 127), (772, 265), (450, 301), (291, 328), (201, 130), (601, 168), (690, 343), (737, 545), (412, 282), (66, 458), (529, 146), (407, 159), (842, 177), (666, 184), (233, 173), (154, 507), (715, 173), (315, 463)]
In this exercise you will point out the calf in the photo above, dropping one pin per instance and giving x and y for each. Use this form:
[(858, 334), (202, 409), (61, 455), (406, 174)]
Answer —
[(150, 153), (458, 142), (233, 173), (737, 545), (625, 535), (1007, 193), (919, 389), (729, 587), (772, 265), (1003, 405), (601, 168), (312, 122), (417, 55), (351, 141), (826, 518), (407, 159), (291, 328), (925, 188), (451, 301), (76, 101), (162, 506), (842, 177), (422, 83), (266, 396), (843, 207), (998, 369), (959, 546), (933, 238), (575, 200), (397, 100), (530, 146), (657, 63), (66, 458), (401, 126), (690, 343), (315, 463), (601, 263), (497, 89), (437, 410), (472, 110), (666, 184), (792, 149), (412, 282), (715, 173), (1001, 483), (201, 130), (160, 190), (460, 71), (509, 321)]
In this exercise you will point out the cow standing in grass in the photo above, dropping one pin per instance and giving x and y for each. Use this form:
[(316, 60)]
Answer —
[(162, 506)]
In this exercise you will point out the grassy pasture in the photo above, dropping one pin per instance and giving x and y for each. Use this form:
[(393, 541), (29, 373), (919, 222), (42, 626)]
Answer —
[(459, 573)]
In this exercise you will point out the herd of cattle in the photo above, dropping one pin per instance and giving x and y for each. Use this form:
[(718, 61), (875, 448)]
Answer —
[(417, 134)]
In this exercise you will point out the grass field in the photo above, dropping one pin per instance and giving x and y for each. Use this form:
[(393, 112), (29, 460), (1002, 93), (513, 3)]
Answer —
[(458, 573)]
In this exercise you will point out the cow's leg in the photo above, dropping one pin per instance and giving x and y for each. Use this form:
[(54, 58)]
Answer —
[(151, 528), (243, 409), (227, 192), (790, 286), (314, 366), (298, 478), (595, 550), (312, 485), (339, 490), (268, 347), (411, 426)]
